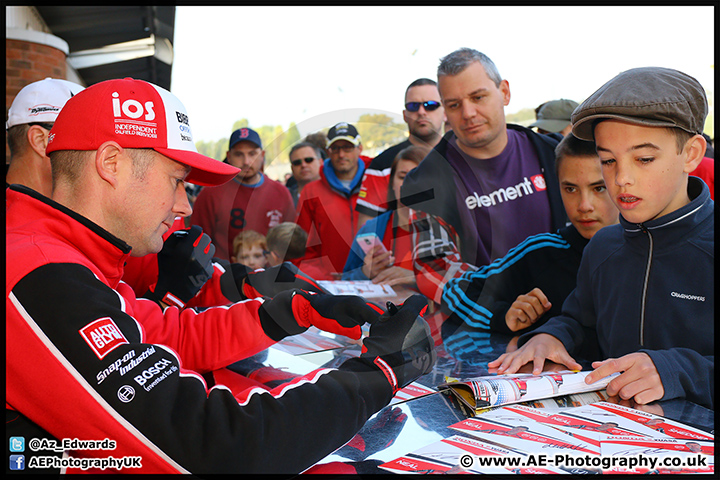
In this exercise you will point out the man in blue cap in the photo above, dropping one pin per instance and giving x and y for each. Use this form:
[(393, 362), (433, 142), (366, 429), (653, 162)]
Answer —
[(251, 201)]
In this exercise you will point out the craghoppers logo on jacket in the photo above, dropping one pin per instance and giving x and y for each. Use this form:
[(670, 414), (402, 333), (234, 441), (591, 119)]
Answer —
[(103, 336)]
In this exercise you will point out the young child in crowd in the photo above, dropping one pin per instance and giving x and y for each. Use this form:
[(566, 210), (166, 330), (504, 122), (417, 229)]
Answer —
[(285, 242), (528, 286), (249, 248), (647, 284)]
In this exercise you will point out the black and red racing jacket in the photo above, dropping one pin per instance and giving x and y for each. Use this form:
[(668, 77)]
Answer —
[(87, 360)]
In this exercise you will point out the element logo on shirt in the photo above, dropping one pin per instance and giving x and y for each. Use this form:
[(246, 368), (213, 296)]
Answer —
[(103, 336), (507, 194), (539, 182)]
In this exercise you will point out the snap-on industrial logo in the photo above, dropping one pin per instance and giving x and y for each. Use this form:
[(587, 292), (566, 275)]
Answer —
[(103, 336), (133, 117), (507, 194)]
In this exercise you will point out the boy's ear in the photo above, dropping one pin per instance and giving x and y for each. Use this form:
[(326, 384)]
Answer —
[(695, 151), (274, 258)]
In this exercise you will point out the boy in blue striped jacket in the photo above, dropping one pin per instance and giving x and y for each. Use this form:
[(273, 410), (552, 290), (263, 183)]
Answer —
[(529, 285)]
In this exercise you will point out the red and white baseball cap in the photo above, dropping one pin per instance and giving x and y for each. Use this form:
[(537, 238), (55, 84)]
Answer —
[(135, 114)]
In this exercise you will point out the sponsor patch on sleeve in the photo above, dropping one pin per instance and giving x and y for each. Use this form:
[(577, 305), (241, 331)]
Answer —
[(103, 336)]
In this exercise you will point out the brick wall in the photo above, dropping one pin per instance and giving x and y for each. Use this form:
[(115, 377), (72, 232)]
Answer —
[(27, 62)]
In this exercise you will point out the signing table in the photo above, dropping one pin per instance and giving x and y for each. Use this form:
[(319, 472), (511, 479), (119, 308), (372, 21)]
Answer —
[(403, 427)]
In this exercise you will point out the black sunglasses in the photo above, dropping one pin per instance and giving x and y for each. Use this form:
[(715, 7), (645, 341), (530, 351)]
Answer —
[(296, 163), (429, 106)]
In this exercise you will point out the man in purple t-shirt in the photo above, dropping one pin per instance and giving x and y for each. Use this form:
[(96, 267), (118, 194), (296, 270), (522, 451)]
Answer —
[(486, 186)]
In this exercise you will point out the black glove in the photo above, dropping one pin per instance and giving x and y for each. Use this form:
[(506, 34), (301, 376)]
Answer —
[(400, 343), (293, 311), (184, 265), (377, 434), (269, 282)]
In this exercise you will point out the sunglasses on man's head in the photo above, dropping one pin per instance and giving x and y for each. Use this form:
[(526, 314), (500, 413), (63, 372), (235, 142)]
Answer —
[(298, 162), (429, 106)]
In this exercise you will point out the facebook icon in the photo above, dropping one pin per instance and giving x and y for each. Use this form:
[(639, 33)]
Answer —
[(17, 462)]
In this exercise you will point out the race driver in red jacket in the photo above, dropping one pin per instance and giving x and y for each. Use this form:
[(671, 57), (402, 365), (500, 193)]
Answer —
[(87, 361)]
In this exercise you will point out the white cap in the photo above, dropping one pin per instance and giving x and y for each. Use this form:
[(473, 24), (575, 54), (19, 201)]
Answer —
[(41, 101)]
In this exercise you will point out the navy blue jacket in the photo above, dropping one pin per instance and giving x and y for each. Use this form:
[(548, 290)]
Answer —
[(650, 287)]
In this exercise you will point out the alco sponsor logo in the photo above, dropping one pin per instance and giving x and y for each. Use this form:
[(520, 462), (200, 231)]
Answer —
[(507, 194), (133, 117), (103, 336)]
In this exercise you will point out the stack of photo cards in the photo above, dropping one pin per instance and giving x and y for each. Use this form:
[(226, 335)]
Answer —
[(661, 425), (527, 436), (458, 454), (412, 391), (663, 455), (598, 438)]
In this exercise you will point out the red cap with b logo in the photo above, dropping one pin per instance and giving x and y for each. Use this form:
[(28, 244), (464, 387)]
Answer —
[(135, 114)]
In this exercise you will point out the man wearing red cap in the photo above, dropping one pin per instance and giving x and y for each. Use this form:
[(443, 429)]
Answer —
[(87, 360)]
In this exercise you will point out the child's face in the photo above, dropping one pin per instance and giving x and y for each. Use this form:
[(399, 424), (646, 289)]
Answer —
[(645, 176), (254, 257), (584, 195)]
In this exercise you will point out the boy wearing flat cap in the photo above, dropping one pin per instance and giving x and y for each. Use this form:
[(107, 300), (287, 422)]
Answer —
[(645, 285)]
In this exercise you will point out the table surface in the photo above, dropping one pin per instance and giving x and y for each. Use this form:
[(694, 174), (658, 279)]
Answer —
[(463, 352)]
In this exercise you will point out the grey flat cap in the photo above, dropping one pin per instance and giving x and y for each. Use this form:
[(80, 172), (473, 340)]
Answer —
[(650, 96)]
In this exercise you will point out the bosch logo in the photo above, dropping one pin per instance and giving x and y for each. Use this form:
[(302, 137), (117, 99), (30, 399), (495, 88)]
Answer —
[(132, 108), (126, 393), (155, 369)]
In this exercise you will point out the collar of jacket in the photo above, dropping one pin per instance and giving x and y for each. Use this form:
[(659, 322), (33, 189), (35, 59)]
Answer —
[(675, 225), (329, 173), (577, 242), (105, 250)]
